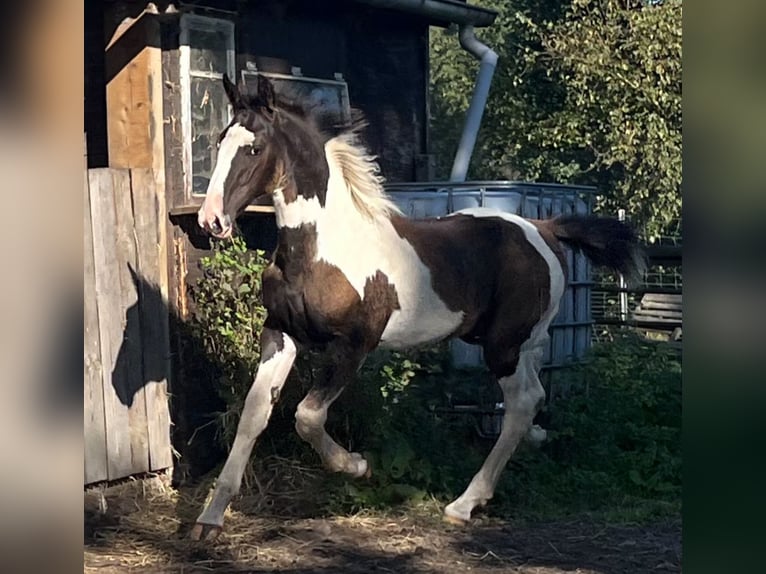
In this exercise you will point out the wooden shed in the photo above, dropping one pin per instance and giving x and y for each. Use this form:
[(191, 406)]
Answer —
[(154, 105)]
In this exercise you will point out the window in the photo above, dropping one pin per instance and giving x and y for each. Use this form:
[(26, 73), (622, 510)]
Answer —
[(207, 52), (331, 96)]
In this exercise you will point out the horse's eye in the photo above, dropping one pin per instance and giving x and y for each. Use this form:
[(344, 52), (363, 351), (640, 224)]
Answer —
[(255, 150)]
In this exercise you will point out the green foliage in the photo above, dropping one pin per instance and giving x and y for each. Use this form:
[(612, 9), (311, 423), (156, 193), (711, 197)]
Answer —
[(586, 92), (625, 418), (228, 304), (414, 451), (614, 438), (228, 318)]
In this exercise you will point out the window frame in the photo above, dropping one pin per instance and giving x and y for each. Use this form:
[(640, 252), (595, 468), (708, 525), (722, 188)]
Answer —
[(189, 23)]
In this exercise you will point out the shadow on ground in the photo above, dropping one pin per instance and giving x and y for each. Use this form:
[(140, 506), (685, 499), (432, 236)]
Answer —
[(145, 527)]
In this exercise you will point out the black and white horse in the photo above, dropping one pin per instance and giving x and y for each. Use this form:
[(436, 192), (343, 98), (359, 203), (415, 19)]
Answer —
[(350, 273)]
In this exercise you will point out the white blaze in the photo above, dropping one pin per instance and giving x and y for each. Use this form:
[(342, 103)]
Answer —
[(236, 137)]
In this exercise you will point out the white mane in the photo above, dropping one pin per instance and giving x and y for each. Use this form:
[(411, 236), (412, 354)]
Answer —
[(362, 176)]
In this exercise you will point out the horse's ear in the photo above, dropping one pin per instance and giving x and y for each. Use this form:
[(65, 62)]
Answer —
[(266, 96), (235, 97), (135, 276)]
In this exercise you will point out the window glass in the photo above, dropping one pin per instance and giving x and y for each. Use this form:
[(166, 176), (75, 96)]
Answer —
[(207, 42), (210, 115), (208, 50)]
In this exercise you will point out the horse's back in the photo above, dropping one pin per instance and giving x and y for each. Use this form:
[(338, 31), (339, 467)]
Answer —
[(491, 267)]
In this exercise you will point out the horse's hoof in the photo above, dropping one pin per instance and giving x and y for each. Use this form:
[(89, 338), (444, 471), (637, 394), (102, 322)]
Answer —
[(206, 532), (453, 514), (454, 520), (536, 435), (363, 469)]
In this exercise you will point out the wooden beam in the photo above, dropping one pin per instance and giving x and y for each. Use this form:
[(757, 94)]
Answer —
[(111, 315), (95, 453), (192, 209), (134, 95)]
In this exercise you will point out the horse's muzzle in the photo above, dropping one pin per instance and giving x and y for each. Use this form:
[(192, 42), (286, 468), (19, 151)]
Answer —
[(212, 219), (221, 227)]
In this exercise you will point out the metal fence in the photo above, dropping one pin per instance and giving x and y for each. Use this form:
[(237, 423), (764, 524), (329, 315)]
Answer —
[(614, 305)]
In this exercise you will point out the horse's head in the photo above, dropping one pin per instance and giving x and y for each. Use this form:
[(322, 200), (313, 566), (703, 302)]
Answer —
[(249, 162)]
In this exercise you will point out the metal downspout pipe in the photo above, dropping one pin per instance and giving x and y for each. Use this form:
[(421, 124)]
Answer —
[(488, 63)]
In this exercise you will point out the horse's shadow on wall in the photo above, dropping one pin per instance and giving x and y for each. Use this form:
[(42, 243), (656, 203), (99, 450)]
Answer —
[(179, 356), (156, 350)]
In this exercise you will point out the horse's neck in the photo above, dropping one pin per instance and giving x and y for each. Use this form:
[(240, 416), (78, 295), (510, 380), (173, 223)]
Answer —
[(336, 231)]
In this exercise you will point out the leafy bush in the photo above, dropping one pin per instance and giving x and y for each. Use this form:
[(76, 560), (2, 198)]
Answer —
[(414, 450), (625, 418), (227, 321)]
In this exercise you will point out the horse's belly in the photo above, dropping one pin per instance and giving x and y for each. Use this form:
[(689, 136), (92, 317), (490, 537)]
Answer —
[(427, 320)]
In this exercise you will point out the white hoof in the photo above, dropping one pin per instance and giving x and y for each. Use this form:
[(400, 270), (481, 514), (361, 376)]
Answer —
[(358, 466), (536, 435), (454, 515)]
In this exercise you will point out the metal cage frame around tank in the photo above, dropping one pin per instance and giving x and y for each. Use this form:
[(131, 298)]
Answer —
[(571, 330)]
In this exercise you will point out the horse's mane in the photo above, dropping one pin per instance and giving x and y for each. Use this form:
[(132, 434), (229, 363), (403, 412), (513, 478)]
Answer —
[(362, 174), (343, 144)]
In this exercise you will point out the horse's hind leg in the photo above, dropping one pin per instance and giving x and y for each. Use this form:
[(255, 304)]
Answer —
[(311, 414), (277, 356), (523, 394)]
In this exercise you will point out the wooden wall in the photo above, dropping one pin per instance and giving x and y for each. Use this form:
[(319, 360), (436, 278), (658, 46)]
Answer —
[(382, 55), (127, 350)]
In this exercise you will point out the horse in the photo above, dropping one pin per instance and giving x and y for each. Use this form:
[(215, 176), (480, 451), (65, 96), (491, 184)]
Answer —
[(351, 273)]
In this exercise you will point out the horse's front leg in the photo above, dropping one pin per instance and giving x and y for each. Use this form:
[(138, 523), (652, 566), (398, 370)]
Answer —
[(277, 357), (311, 415)]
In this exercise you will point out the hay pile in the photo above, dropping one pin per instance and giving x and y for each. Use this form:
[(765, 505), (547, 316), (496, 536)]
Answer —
[(142, 526)]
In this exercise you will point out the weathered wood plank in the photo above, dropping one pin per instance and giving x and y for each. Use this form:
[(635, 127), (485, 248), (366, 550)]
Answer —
[(128, 96), (111, 315), (652, 313), (645, 290), (130, 382), (661, 301), (94, 427), (651, 324), (662, 306), (154, 316), (676, 297)]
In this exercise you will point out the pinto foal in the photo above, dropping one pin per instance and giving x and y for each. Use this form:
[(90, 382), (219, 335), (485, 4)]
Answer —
[(350, 273)]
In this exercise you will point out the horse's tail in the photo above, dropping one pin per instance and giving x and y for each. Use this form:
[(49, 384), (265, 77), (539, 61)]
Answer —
[(606, 241)]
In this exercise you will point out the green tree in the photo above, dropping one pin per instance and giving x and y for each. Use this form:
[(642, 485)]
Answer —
[(586, 92)]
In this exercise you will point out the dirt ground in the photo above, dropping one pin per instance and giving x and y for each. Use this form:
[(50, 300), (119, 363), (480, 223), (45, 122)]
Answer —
[(143, 526)]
